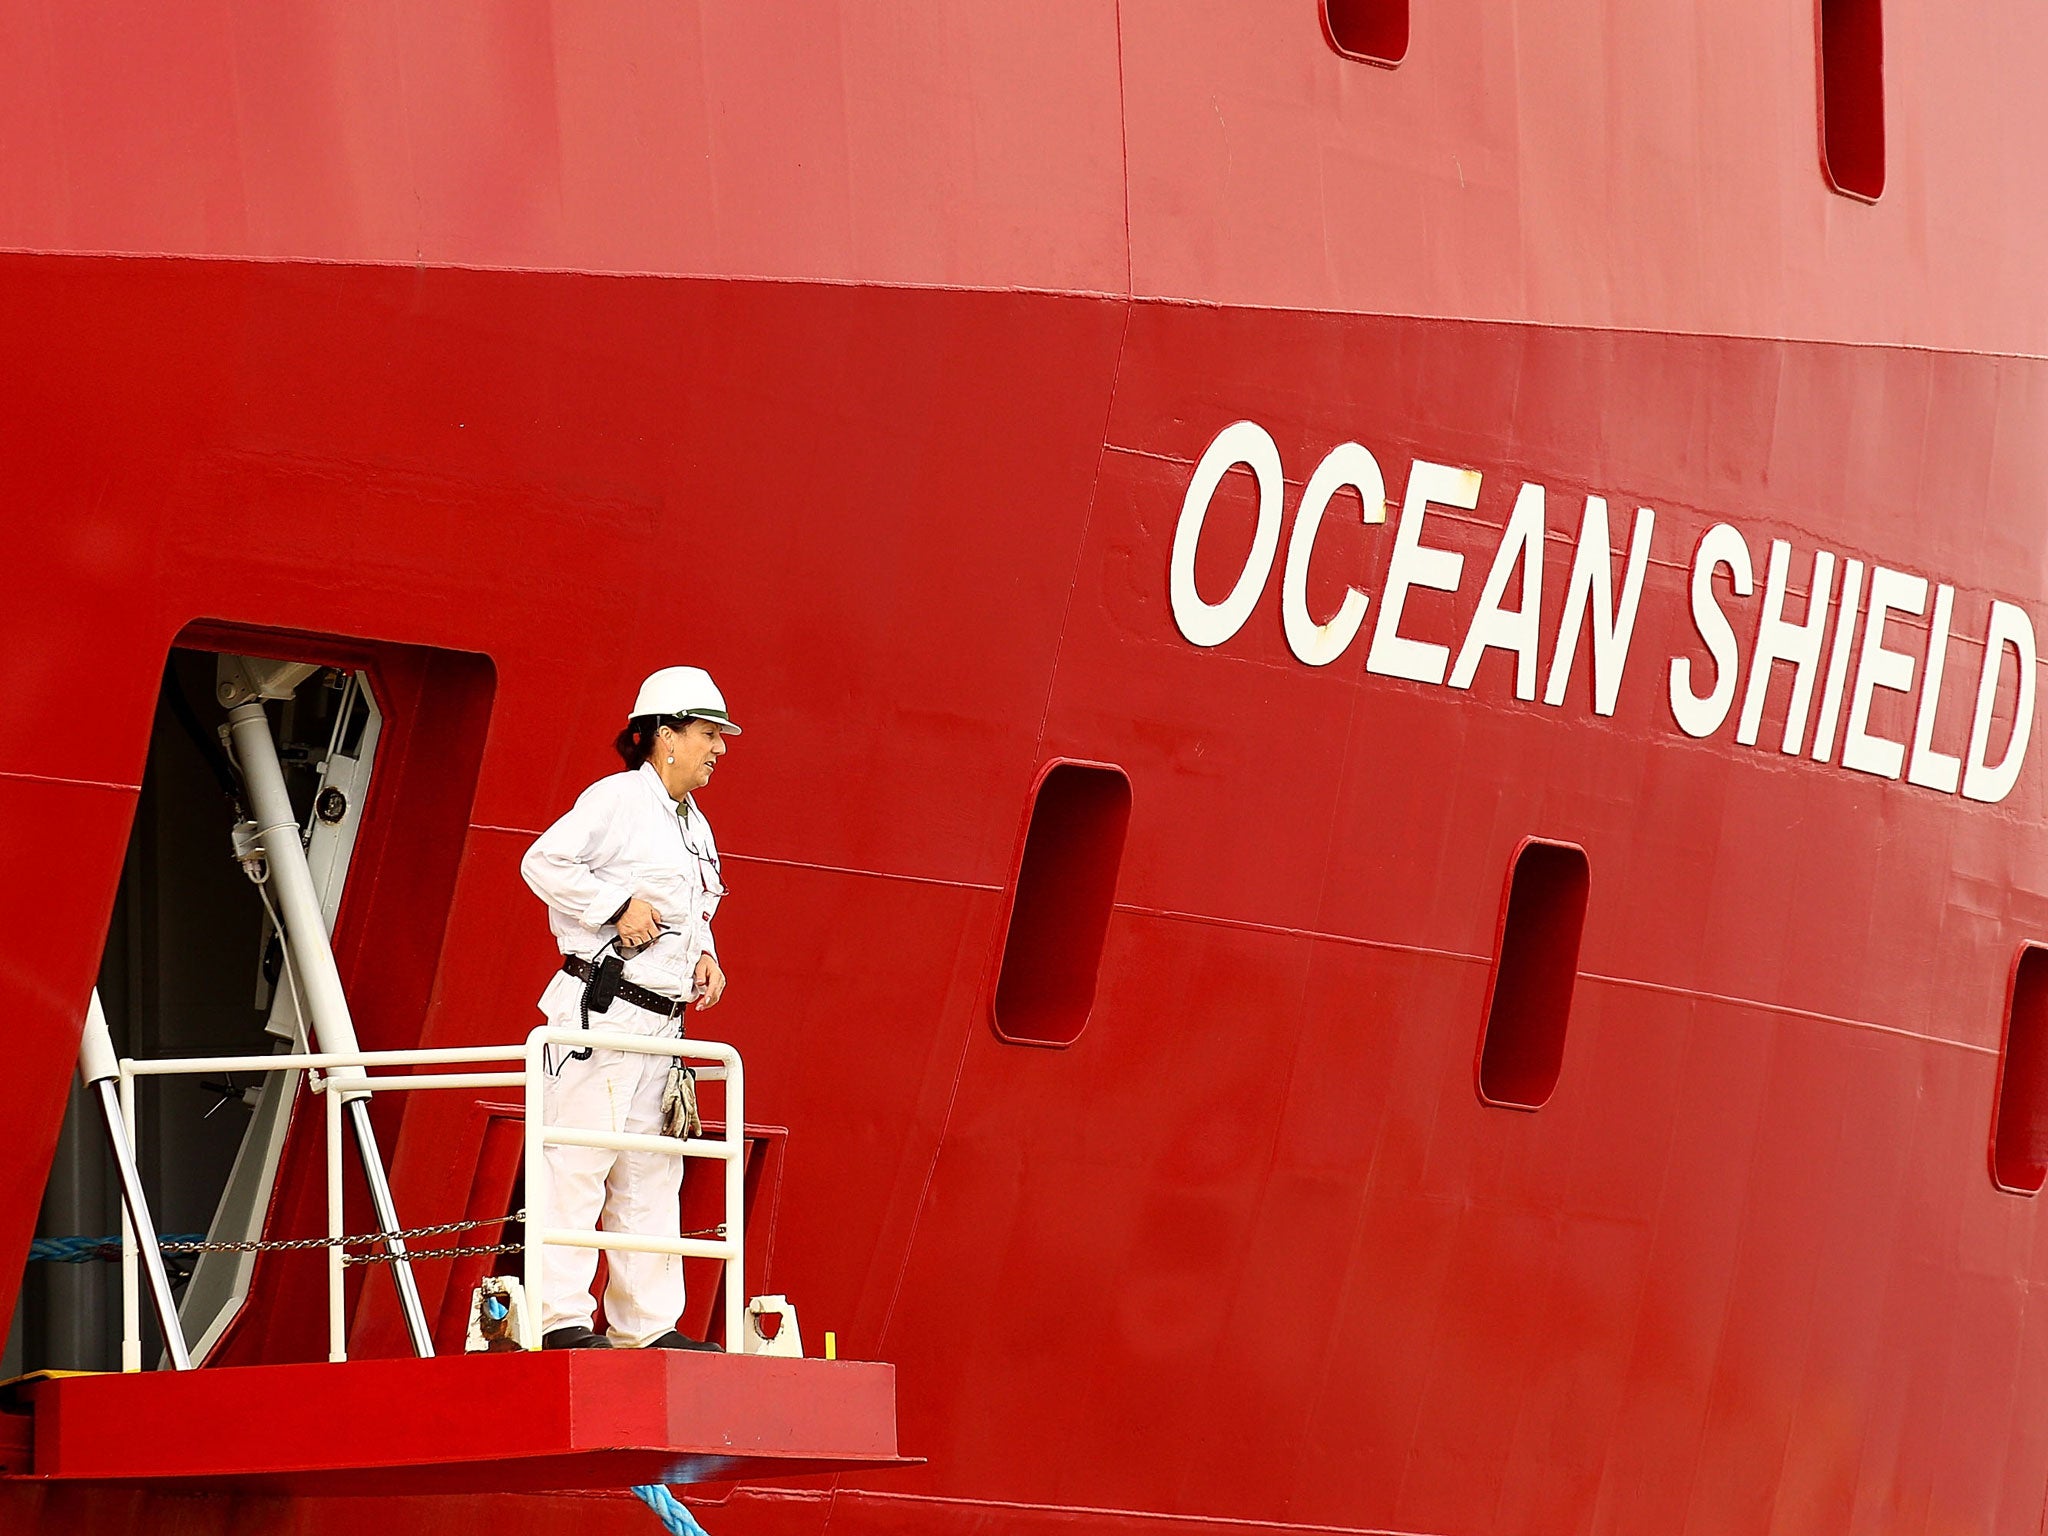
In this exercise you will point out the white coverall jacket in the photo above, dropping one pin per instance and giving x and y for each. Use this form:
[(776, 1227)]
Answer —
[(623, 838)]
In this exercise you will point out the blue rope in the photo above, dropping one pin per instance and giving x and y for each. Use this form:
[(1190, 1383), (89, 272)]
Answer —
[(83, 1250), (675, 1519)]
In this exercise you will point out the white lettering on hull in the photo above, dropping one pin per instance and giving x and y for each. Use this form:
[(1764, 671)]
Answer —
[(1207, 624), (1347, 466), (1697, 714), (1701, 696), (1778, 639), (1416, 565), (1838, 662), (1613, 625), (2010, 629), (1516, 630)]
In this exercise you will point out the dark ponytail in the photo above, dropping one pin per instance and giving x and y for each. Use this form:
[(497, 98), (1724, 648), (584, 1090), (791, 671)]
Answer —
[(635, 744)]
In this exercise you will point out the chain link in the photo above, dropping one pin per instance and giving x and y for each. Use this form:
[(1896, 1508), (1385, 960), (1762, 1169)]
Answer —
[(303, 1244)]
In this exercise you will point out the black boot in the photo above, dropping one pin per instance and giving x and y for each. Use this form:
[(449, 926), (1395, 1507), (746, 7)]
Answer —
[(674, 1340), (573, 1336)]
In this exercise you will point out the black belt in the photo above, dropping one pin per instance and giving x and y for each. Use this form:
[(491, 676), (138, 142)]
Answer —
[(640, 997)]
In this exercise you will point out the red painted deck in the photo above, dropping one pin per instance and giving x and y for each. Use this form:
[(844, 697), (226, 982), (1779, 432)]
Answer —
[(580, 1420)]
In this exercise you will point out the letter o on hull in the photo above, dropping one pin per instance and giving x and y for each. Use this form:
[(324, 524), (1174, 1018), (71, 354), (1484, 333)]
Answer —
[(1249, 444)]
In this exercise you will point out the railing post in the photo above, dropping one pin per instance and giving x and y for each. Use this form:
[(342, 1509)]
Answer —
[(536, 1188), (337, 1217), (131, 1304), (735, 1205)]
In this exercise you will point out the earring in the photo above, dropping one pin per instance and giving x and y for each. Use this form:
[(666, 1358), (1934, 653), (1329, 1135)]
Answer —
[(671, 758)]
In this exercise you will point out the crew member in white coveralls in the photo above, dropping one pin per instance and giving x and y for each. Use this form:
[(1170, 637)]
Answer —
[(631, 871)]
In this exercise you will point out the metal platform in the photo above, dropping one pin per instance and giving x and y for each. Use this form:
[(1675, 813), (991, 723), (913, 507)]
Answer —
[(508, 1423)]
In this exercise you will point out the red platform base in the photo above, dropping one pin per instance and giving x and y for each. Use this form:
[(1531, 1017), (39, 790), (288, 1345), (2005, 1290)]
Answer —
[(512, 1423)]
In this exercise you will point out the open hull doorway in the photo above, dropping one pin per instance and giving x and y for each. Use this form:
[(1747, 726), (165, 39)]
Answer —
[(194, 967)]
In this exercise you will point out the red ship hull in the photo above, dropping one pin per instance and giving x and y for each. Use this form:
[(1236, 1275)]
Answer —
[(900, 452)]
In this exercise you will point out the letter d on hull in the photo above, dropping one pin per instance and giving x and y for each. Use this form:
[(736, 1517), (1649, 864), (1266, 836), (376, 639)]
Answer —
[(2010, 629)]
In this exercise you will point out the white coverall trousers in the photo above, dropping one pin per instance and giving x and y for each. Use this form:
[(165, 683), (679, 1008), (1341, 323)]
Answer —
[(637, 1192)]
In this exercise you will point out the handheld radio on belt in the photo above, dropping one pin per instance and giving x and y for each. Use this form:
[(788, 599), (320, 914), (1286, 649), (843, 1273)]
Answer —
[(598, 993), (604, 982)]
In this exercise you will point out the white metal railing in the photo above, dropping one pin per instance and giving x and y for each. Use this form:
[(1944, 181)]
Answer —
[(348, 1080)]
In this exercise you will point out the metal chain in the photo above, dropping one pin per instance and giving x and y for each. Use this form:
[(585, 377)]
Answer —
[(300, 1244), (109, 1248), (430, 1253), (388, 1257)]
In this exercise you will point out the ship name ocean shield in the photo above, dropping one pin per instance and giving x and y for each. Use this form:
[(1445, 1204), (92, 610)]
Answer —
[(1842, 654)]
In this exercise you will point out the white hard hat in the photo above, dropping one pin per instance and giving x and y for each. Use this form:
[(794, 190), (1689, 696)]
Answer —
[(686, 691)]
